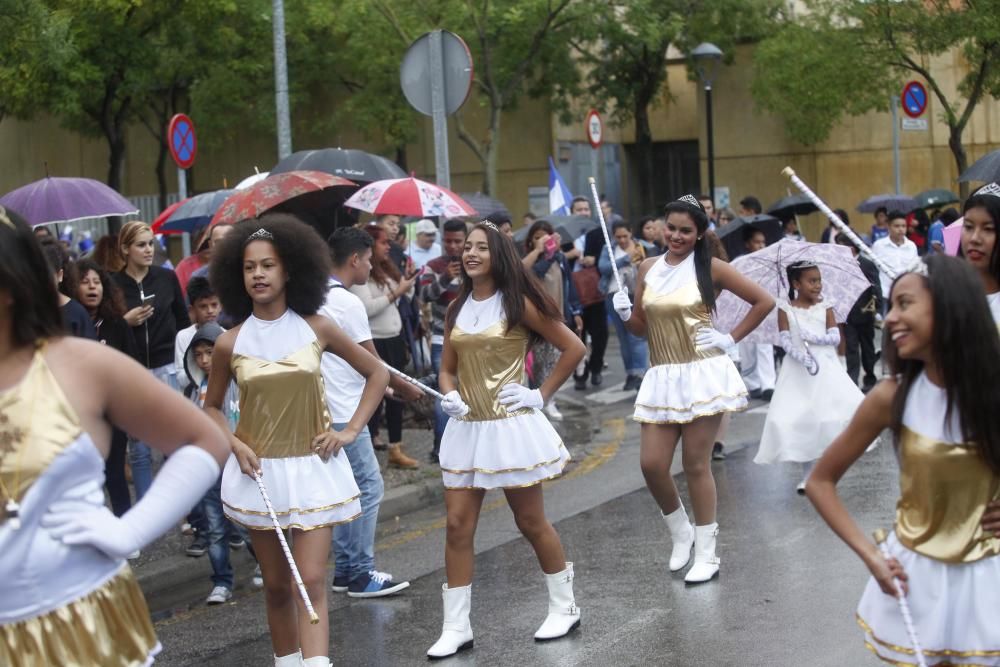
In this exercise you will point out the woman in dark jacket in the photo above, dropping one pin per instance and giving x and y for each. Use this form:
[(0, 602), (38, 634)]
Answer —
[(106, 306), (156, 313)]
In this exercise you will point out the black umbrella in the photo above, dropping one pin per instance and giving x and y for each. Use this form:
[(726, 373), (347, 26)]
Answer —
[(985, 169), (904, 203), (568, 227), (936, 197), (792, 205), (732, 235), (358, 166), (486, 206)]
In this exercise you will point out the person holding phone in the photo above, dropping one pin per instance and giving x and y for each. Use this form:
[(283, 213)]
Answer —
[(544, 259), (156, 312)]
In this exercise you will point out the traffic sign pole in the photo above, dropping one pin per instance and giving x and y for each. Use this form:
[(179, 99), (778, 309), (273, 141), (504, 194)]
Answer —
[(181, 196), (895, 143), (442, 170), (594, 127), (183, 145)]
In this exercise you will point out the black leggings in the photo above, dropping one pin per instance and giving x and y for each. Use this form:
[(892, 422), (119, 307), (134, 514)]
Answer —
[(114, 473), (393, 351)]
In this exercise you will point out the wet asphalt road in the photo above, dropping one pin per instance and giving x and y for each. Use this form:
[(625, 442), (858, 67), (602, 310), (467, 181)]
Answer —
[(785, 596)]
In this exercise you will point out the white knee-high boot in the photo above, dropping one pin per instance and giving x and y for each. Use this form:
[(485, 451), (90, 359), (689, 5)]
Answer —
[(290, 660), (564, 615), (682, 535), (706, 563), (456, 631)]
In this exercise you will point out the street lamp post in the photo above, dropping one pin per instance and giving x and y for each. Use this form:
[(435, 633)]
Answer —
[(706, 58)]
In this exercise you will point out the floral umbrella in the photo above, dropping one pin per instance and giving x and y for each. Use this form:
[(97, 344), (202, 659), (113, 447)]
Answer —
[(409, 196), (284, 191)]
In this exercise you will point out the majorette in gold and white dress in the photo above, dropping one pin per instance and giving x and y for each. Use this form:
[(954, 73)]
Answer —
[(282, 408), (952, 564), (682, 384), (491, 447), (59, 604)]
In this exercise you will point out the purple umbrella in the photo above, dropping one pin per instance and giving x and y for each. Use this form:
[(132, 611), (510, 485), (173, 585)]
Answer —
[(66, 200), (843, 283)]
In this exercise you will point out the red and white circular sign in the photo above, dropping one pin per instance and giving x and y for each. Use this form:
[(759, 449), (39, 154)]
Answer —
[(595, 128)]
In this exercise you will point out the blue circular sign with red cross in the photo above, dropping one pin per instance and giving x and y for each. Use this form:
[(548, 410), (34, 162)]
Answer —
[(914, 99), (181, 141)]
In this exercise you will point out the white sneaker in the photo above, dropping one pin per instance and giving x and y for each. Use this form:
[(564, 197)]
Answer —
[(219, 595), (552, 411), (258, 578), (135, 554)]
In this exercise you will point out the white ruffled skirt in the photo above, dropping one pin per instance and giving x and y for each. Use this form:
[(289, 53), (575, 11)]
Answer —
[(305, 492), (681, 393), (955, 610), (501, 453)]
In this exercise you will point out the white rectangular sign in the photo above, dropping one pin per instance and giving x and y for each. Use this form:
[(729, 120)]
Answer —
[(918, 124)]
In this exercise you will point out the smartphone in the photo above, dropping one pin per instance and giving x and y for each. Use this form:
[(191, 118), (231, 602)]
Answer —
[(551, 246), (147, 300)]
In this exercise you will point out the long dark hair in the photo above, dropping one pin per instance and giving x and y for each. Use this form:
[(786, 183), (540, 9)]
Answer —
[(512, 280), (702, 251), (382, 269), (543, 225), (113, 301), (303, 255), (25, 276), (992, 205), (970, 368)]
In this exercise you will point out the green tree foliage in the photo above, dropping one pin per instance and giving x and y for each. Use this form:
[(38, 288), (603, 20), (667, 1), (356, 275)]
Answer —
[(625, 53), (851, 57)]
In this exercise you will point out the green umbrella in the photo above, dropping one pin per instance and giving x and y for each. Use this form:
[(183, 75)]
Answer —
[(936, 197)]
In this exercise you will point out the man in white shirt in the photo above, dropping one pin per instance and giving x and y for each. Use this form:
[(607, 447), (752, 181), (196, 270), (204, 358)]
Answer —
[(354, 542), (896, 251), (424, 249)]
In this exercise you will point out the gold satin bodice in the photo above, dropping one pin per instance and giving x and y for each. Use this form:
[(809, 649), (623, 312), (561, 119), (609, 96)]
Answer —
[(671, 323), (488, 360), (944, 489), (282, 403), (37, 422)]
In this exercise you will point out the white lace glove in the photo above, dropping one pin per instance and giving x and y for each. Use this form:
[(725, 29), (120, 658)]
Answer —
[(797, 353), (514, 397), (453, 405), (622, 305), (831, 337), (706, 338), (80, 516)]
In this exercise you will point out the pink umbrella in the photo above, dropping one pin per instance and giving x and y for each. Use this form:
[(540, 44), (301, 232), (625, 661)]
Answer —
[(409, 196), (953, 237)]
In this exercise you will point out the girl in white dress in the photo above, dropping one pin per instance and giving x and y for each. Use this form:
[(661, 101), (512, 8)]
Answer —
[(941, 404), (271, 275), (498, 436), (814, 398), (979, 241), (691, 381)]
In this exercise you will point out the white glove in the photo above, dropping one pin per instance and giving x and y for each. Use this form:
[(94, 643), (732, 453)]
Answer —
[(622, 305), (453, 405), (831, 337), (80, 516), (706, 338), (799, 354), (515, 397)]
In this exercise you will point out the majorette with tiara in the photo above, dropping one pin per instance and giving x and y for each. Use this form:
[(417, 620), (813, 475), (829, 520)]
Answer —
[(940, 402), (271, 275), (981, 219), (498, 436), (67, 594), (691, 381)]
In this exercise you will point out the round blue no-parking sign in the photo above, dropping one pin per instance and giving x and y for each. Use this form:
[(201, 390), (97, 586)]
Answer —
[(914, 99), (181, 141)]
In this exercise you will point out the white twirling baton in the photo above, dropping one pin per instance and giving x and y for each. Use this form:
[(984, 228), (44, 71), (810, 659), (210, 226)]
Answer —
[(416, 383), (604, 228), (313, 617), (838, 223), (904, 606)]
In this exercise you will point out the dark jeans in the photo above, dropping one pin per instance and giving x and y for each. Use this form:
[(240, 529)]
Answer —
[(595, 325), (860, 336), (114, 473), (393, 352)]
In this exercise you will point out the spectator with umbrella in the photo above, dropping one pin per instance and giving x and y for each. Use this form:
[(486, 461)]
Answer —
[(880, 229)]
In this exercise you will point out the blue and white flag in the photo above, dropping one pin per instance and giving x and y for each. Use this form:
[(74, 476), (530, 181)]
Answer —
[(560, 197)]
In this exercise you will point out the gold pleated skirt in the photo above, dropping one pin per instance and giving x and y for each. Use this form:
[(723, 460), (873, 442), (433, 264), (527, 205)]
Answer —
[(109, 627)]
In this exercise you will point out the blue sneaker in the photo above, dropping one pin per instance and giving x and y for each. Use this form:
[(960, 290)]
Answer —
[(340, 583), (375, 585)]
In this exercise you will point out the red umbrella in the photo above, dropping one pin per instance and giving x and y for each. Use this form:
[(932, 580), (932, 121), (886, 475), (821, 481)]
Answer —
[(282, 190), (162, 218), (409, 196)]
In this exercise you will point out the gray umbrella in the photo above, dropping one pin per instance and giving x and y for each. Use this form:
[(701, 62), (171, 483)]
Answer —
[(986, 169), (486, 206), (904, 203), (732, 235), (568, 227), (792, 205), (358, 166)]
